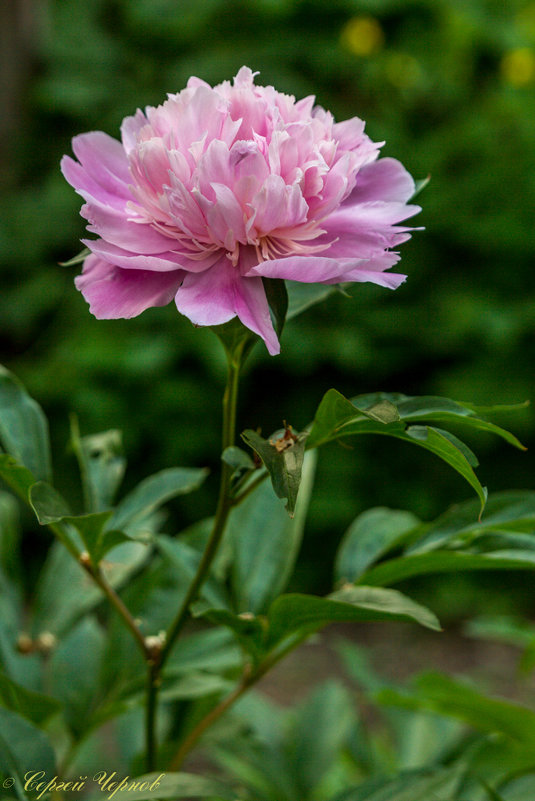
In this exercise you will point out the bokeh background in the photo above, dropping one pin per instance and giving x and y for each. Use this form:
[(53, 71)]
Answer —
[(448, 84)]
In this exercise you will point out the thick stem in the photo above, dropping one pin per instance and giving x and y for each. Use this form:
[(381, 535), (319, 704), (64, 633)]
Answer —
[(224, 505)]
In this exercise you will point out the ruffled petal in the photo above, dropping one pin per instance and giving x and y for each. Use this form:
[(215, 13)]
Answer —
[(116, 293), (160, 262), (115, 227), (86, 185), (219, 294), (386, 180), (104, 158)]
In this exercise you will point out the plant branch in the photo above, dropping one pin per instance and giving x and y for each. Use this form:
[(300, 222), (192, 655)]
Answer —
[(99, 578), (248, 679), (224, 505)]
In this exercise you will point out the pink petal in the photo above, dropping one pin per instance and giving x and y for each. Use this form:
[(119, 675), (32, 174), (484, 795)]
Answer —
[(219, 294), (160, 262), (306, 269), (321, 270), (277, 205), (86, 186), (385, 180), (113, 292), (104, 158), (130, 129), (114, 226)]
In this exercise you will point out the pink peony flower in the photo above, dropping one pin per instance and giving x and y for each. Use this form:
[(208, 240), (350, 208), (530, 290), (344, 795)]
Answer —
[(218, 187)]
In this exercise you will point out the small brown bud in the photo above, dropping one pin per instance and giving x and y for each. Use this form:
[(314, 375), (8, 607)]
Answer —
[(85, 561), (46, 642), (25, 644)]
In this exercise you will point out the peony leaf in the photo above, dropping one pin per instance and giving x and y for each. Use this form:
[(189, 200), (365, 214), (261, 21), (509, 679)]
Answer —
[(439, 693), (241, 463), (338, 417), (302, 296), (289, 614), (155, 490), (371, 535), (102, 465), (277, 298), (78, 259), (23, 748), (35, 707), (51, 508), (23, 427), (283, 456), (409, 565), (264, 542)]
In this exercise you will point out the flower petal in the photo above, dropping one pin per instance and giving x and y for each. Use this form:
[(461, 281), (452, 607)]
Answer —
[(220, 293), (115, 227), (116, 293), (160, 262), (104, 158), (385, 180)]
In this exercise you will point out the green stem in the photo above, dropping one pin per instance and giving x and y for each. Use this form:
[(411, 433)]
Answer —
[(115, 600), (247, 681), (224, 506)]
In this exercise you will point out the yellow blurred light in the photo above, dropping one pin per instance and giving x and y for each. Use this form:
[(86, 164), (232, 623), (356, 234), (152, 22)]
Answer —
[(363, 36), (518, 66), (403, 71)]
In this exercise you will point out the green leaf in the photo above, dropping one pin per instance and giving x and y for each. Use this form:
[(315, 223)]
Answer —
[(277, 298), (212, 649), (459, 527), (16, 475), (421, 785), (447, 696), (441, 410), (23, 748), (23, 427), (64, 590), (78, 259), (74, 681), (239, 460), (172, 786), (35, 707), (249, 630), (102, 465), (195, 684), (51, 508), (291, 613), (395, 570), (10, 533), (301, 296), (329, 709), (237, 340), (154, 491), (185, 562), (492, 794), (370, 536), (283, 456), (265, 542), (419, 186), (338, 417)]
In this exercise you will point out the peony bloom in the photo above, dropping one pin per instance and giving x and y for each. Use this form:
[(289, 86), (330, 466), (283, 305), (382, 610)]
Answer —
[(219, 187)]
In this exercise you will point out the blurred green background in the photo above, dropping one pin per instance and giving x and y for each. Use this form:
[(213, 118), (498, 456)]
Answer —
[(449, 84)]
